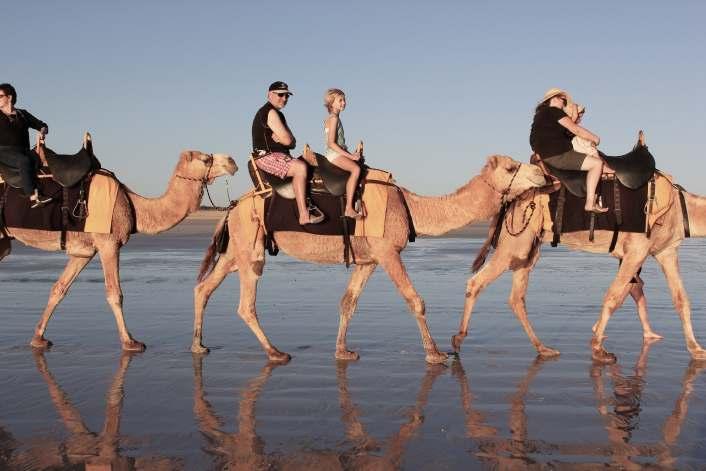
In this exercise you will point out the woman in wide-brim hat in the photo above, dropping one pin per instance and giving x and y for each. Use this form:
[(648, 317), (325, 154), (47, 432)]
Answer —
[(550, 138)]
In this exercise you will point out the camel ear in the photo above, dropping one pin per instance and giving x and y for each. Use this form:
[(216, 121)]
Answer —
[(493, 162), (188, 155)]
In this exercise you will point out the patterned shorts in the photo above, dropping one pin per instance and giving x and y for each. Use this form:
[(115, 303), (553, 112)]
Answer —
[(275, 163)]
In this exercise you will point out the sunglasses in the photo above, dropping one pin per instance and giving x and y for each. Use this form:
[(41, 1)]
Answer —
[(283, 94)]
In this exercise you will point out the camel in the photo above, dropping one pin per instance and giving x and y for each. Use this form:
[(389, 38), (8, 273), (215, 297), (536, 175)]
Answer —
[(132, 213), (245, 449), (520, 252), (502, 178)]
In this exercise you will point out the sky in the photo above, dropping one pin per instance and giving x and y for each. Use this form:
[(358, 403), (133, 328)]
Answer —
[(433, 87)]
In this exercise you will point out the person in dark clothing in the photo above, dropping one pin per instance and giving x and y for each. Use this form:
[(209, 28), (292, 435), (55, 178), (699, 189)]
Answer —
[(550, 138), (272, 141), (14, 142)]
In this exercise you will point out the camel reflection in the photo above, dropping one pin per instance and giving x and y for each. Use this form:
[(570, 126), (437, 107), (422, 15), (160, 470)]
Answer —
[(96, 451), (619, 411), (244, 449)]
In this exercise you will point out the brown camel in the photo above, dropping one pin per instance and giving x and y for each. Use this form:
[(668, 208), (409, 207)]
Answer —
[(501, 177), (132, 213), (520, 253)]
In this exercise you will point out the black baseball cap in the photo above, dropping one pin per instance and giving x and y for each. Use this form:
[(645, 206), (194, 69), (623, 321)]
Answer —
[(280, 87)]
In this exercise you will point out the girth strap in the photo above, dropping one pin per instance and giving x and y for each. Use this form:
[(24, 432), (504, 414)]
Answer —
[(3, 199), (684, 212), (650, 203), (64, 215), (617, 207)]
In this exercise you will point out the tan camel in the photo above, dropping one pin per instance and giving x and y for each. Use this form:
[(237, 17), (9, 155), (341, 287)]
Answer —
[(246, 450), (520, 253), (132, 213), (477, 200)]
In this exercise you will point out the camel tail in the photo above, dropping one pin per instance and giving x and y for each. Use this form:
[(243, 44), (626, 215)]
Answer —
[(213, 251)]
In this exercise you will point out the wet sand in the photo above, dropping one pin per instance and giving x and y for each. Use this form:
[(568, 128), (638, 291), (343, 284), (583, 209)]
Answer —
[(83, 403)]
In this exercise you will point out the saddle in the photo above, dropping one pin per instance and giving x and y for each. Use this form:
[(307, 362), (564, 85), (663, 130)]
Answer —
[(624, 193)]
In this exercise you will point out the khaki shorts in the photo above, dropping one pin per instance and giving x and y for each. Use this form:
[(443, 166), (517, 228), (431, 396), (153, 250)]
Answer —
[(569, 160)]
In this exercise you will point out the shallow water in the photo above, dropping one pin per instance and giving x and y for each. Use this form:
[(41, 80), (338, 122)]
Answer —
[(83, 402)]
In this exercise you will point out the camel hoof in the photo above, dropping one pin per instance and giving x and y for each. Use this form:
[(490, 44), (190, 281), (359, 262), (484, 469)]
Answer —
[(40, 342), (276, 356), (547, 352), (134, 346), (435, 358), (200, 349), (456, 342), (347, 355), (604, 357)]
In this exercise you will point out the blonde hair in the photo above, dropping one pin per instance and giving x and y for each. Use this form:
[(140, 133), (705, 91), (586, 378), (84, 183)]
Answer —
[(331, 95)]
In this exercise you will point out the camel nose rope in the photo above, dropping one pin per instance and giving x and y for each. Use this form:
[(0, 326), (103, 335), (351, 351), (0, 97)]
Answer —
[(204, 186)]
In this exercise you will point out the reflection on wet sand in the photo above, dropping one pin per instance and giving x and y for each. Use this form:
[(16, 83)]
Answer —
[(519, 451), (96, 451), (244, 449)]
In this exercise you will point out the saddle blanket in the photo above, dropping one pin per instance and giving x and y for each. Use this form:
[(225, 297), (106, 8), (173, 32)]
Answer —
[(375, 204), (632, 205), (101, 193)]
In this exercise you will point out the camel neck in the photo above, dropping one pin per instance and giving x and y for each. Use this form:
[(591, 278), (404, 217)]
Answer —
[(155, 215), (437, 215)]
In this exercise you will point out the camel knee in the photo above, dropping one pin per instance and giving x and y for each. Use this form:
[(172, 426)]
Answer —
[(516, 301), (416, 305), (59, 289), (202, 293), (348, 303), (114, 299), (473, 288)]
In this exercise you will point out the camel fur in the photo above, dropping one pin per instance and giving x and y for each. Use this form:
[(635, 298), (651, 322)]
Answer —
[(520, 253), (132, 213), (501, 178)]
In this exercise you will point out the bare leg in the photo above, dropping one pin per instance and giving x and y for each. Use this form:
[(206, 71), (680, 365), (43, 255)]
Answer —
[(298, 173), (594, 167), (614, 297), (202, 292), (395, 269), (247, 312), (58, 292), (349, 302), (110, 259), (478, 282), (670, 266), (520, 279), (350, 166)]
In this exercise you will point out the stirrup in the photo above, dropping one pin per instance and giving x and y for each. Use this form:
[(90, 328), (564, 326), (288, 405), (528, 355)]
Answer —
[(40, 201)]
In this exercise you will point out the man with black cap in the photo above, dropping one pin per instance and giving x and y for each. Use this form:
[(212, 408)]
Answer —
[(272, 140)]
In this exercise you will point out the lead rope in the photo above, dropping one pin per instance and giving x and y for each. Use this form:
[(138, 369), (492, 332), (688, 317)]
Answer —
[(525, 218)]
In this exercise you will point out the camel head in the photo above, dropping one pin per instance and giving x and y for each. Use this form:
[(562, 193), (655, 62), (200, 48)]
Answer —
[(507, 175), (199, 166)]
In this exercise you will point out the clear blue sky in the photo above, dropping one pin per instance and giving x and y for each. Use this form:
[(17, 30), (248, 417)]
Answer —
[(433, 86)]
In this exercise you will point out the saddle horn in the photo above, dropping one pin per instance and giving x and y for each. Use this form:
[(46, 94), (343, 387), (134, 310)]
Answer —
[(309, 156), (641, 138), (88, 142)]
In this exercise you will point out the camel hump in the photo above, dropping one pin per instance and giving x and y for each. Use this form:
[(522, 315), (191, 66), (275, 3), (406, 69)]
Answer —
[(641, 138)]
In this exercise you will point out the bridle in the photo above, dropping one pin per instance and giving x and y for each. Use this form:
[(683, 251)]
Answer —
[(204, 184), (506, 191), (505, 204)]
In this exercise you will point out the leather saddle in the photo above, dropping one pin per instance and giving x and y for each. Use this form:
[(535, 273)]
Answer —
[(325, 178), (66, 170), (632, 170)]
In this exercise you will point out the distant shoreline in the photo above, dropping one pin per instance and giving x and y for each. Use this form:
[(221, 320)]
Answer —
[(204, 221)]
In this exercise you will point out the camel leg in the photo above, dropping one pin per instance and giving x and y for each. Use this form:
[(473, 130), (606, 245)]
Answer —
[(57, 293), (478, 282), (395, 269), (202, 293), (614, 297), (110, 259), (520, 279), (349, 302), (247, 312), (669, 261)]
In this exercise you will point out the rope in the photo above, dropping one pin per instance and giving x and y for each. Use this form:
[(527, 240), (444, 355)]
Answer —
[(525, 218)]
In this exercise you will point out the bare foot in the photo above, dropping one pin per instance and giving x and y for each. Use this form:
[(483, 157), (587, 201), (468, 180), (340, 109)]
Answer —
[(436, 357), (134, 346), (38, 341), (199, 348), (595, 209), (351, 213), (347, 355)]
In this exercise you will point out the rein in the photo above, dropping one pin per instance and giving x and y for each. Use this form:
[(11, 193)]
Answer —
[(204, 186)]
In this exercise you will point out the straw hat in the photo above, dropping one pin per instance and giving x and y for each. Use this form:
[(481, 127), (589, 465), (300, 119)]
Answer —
[(552, 92)]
